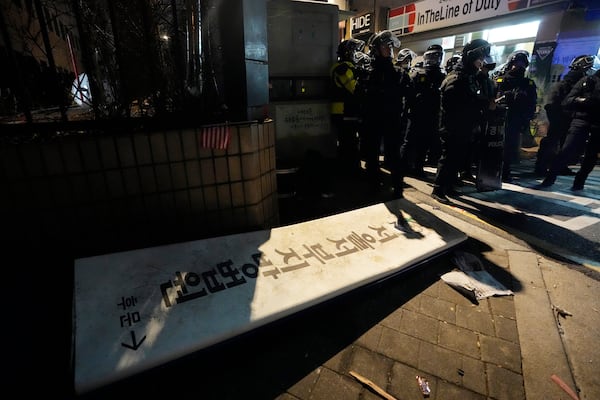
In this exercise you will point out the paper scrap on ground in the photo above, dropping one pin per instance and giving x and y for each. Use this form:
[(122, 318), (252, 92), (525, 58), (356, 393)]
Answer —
[(473, 279)]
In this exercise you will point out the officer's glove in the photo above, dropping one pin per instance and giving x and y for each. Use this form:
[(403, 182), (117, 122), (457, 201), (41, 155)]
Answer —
[(509, 98)]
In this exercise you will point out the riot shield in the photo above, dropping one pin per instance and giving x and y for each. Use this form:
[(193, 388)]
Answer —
[(489, 167)]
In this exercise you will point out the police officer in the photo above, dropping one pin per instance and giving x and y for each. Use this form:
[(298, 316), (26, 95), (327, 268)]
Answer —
[(519, 96), (405, 59), (452, 61), (382, 110), (487, 96), (584, 101), (422, 141), (461, 113), (559, 118), (345, 106), (404, 66)]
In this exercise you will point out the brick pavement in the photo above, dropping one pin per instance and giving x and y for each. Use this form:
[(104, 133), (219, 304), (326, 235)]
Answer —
[(465, 350)]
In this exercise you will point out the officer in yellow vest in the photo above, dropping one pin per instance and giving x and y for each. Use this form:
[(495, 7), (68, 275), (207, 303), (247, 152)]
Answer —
[(345, 105)]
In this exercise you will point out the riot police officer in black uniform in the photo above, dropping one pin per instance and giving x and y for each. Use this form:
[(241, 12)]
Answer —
[(487, 96), (584, 101), (559, 118), (382, 110), (461, 114), (519, 96), (404, 66), (422, 141)]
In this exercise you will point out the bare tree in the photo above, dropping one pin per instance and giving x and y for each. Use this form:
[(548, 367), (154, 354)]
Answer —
[(150, 58)]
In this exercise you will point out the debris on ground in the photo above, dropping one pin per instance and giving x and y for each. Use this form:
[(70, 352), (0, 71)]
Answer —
[(373, 386), (558, 313), (472, 279), (424, 386), (564, 387)]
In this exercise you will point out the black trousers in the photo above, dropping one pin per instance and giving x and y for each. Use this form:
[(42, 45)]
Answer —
[(348, 150), (590, 158), (553, 141), (575, 143), (386, 132), (455, 147)]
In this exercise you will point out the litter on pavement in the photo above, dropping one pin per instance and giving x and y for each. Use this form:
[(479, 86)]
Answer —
[(472, 279)]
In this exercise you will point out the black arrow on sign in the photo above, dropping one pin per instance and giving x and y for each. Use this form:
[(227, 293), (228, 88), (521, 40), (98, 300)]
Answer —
[(135, 345)]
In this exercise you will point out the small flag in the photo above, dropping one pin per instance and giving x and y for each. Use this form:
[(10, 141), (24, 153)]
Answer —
[(215, 137)]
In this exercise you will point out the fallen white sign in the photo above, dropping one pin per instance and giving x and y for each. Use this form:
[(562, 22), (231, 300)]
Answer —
[(138, 309)]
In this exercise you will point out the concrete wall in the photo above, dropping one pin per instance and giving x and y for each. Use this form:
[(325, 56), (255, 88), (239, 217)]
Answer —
[(95, 192)]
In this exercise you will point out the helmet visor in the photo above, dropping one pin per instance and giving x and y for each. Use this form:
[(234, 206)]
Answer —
[(595, 66), (394, 42), (432, 58), (477, 53)]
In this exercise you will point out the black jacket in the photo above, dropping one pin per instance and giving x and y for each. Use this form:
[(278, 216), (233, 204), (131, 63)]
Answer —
[(384, 90), (461, 105), (584, 99), (560, 90), (426, 84), (520, 94)]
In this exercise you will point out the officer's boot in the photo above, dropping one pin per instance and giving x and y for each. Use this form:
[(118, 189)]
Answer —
[(439, 194), (578, 182), (548, 180)]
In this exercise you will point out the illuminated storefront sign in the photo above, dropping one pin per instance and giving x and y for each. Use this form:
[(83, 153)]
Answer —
[(362, 24), (434, 14)]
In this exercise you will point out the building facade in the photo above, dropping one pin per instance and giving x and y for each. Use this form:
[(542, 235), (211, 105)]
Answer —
[(552, 31)]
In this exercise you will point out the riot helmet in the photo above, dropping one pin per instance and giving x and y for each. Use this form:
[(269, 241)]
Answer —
[(347, 49), (432, 58), (518, 59), (582, 63), (476, 49), (384, 38), (363, 60), (405, 58), (452, 61)]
